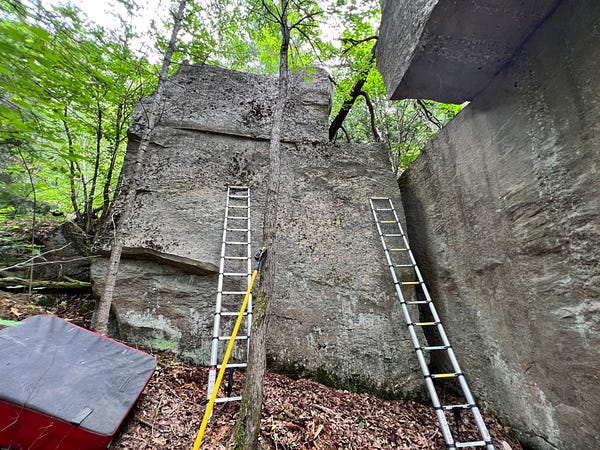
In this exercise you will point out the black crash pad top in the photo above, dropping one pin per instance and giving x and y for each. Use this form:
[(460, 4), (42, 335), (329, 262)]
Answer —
[(64, 371)]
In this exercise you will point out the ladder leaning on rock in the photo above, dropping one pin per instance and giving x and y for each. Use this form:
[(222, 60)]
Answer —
[(406, 275), (235, 273)]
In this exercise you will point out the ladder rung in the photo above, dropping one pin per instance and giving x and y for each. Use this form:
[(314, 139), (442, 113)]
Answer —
[(380, 198), (238, 217), (417, 302), (397, 249), (236, 257), (410, 282), (388, 221), (470, 444), (228, 399), (393, 234), (239, 206), (236, 274), (452, 407), (383, 209), (231, 313), (228, 338), (238, 196), (237, 229), (403, 265), (435, 347), (444, 375), (233, 292), (236, 243), (425, 324), (233, 366)]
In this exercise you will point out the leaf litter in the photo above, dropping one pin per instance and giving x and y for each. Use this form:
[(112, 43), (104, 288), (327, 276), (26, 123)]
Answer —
[(297, 413)]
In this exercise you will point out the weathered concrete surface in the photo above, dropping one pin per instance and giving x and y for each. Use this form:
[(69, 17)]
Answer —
[(449, 50), (240, 104), (335, 299), (335, 313), (503, 212)]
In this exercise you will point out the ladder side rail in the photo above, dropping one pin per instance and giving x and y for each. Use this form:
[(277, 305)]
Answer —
[(214, 352), (413, 335), (249, 270), (446, 342)]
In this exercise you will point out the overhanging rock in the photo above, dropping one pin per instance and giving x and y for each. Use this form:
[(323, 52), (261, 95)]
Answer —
[(335, 312), (449, 50)]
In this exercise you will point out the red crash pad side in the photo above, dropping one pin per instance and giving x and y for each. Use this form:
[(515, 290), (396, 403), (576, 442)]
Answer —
[(22, 429)]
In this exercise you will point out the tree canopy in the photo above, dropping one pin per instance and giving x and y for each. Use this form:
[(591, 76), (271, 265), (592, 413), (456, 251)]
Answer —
[(68, 87)]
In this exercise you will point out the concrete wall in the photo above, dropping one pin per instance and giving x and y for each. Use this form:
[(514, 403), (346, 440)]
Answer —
[(503, 212)]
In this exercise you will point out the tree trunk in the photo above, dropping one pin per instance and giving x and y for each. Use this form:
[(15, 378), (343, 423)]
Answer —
[(104, 304), (357, 90), (74, 204), (89, 206), (247, 428), (106, 201)]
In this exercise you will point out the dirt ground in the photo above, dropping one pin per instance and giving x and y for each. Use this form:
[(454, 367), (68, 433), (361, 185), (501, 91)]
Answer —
[(297, 413)]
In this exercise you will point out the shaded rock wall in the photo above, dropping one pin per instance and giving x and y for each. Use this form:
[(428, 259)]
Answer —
[(335, 312), (503, 212)]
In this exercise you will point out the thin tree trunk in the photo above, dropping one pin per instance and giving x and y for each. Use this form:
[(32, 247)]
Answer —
[(247, 428), (371, 109), (104, 304), (113, 159), (339, 118), (357, 89), (78, 217), (89, 206), (33, 216)]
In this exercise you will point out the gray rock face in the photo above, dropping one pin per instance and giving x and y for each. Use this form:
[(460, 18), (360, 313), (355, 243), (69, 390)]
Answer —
[(503, 211), (240, 104), (448, 50), (335, 312)]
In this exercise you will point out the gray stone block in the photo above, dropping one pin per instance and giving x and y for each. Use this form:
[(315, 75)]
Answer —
[(335, 312), (449, 50), (503, 213)]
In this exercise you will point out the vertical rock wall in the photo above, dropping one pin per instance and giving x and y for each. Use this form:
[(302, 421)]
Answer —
[(335, 313), (503, 211)]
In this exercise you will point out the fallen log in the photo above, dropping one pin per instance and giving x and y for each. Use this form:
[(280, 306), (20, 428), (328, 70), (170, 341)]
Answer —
[(16, 284)]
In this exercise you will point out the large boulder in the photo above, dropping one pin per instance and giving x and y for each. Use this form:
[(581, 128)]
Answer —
[(503, 210), (335, 314)]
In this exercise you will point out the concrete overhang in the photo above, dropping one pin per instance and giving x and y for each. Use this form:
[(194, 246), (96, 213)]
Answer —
[(449, 50)]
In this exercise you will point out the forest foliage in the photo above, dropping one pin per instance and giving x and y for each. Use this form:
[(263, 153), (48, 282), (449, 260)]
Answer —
[(68, 87)]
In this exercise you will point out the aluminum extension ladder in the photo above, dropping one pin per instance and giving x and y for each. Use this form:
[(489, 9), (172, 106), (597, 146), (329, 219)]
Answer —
[(404, 272), (235, 272)]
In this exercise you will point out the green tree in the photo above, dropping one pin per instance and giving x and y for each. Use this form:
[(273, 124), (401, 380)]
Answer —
[(103, 306), (290, 16), (67, 91)]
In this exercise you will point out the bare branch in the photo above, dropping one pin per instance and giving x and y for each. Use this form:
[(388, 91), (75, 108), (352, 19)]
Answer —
[(24, 263), (429, 115), (354, 42), (376, 134)]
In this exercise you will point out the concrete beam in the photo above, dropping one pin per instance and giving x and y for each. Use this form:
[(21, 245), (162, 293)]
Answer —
[(449, 50)]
